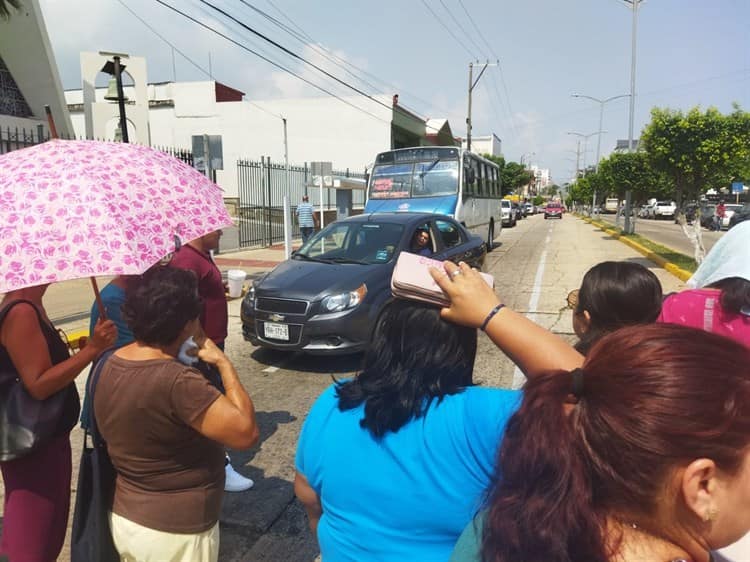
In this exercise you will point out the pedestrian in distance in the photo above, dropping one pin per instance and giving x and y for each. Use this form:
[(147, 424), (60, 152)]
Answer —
[(613, 294), (196, 256), (718, 298), (37, 485), (410, 436), (166, 425), (308, 220), (719, 216)]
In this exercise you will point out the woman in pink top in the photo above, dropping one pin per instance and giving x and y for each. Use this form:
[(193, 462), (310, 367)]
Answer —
[(719, 300)]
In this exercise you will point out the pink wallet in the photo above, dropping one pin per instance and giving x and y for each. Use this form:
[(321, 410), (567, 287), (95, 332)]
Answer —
[(412, 280)]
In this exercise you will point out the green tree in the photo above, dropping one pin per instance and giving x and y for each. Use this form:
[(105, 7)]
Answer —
[(698, 150), (632, 171), (5, 6)]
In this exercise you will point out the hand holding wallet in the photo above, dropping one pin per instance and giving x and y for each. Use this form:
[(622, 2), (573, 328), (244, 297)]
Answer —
[(411, 279)]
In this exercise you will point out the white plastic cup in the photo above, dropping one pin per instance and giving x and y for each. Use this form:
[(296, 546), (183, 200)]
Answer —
[(235, 280)]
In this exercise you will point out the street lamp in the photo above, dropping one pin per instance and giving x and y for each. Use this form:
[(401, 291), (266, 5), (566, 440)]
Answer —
[(601, 118), (114, 68)]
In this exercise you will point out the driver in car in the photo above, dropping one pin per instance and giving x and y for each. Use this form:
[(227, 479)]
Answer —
[(420, 243)]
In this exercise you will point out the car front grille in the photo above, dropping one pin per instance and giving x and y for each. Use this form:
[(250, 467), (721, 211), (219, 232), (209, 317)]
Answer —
[(282, 306)]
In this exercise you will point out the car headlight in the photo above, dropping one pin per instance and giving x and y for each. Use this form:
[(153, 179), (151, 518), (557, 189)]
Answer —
[(343, 301), (250, 297)]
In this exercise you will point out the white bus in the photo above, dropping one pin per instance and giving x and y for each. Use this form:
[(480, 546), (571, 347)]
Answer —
[(437, 179)]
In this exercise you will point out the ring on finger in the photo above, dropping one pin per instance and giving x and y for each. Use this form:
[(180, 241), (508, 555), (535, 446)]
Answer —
[(457, 272)]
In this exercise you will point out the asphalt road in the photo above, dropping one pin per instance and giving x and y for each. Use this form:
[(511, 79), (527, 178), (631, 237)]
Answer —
[(669, 234), (535, 265)]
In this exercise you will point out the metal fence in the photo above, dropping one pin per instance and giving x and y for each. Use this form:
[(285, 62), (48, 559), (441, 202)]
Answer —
[(262, 185), (14, 139)]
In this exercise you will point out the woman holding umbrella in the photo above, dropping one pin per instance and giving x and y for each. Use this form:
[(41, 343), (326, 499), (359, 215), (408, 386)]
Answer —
[(37, 485)]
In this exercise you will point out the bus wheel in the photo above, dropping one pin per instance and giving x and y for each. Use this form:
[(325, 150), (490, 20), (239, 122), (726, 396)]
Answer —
[(491, 237)]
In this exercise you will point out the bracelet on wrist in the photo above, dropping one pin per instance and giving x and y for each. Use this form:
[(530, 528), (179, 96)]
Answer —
[(491, 315)]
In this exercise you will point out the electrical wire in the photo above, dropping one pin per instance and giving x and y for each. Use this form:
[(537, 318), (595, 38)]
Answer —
[(479, 32), (461, 27), (332, 57), (448, 29), (304, 60), (268, 60)]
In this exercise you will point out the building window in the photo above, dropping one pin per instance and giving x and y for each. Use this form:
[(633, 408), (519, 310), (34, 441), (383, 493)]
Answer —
[(12, 101)]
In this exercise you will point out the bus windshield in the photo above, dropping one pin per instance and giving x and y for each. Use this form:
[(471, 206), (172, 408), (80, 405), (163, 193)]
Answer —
[(414, 179)]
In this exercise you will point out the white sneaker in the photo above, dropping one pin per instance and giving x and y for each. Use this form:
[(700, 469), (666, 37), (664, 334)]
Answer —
[(234, 481)]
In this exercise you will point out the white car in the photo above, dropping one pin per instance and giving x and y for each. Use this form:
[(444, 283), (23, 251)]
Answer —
[(508, 213), (663, 210), (729, 210)]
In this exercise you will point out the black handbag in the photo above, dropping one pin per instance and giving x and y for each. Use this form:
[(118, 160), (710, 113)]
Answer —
[(91, 539), (25, 422)]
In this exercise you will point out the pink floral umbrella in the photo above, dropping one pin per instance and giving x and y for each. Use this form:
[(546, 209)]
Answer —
[(73, 209)]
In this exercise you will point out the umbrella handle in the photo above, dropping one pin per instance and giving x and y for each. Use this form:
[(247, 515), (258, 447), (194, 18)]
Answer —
[(99, 303)]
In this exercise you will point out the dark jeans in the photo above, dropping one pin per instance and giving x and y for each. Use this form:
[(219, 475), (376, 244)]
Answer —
[(306, 232)]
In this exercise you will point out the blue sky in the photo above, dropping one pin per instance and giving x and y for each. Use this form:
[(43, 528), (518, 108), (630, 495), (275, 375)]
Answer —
[(689, 52)]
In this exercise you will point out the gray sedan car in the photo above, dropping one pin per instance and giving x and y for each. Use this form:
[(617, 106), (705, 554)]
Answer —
[(327, 297)]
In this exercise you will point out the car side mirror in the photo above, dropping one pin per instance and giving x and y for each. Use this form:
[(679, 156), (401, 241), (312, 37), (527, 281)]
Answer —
[(470, 176)]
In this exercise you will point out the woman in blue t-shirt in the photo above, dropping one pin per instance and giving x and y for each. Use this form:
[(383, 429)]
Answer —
[(393, 464)]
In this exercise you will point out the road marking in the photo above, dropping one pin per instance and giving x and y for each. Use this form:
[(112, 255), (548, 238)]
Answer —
[(518, 377), (271, 369)]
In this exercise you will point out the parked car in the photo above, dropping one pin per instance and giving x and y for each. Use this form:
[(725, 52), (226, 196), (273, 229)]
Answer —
[(520, 211), (530, 209), (327, 297), (707, 214), (553, 210), (690, 210), (729, 210), (664, 210), (740, 215), (508, 213)]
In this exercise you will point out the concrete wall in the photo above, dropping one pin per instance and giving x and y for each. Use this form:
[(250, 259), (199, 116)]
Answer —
[(25, 48)]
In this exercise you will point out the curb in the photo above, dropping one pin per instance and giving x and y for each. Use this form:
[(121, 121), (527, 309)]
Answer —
[(681, 274)]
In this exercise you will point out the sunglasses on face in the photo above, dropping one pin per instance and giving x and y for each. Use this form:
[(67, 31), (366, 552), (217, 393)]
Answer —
[(572, 299)]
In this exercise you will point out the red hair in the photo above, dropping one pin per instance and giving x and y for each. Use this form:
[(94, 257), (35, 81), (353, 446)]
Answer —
[(654, 398)]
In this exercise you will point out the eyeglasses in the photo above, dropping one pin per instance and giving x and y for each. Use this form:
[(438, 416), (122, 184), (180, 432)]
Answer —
[(572, 299)]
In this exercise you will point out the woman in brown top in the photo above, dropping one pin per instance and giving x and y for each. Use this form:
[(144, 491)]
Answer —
[(166, 426)]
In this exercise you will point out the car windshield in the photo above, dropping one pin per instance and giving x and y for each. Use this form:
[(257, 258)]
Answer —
[(414, 179), (664, 204), (353, 242), (732, 207), (553, 205)]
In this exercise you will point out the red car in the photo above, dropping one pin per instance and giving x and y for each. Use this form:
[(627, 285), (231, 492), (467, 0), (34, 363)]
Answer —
[(553, 210)]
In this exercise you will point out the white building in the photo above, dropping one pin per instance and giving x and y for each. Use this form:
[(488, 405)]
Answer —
[(28, 80), (318, 129), (490, 144), (541, 178)]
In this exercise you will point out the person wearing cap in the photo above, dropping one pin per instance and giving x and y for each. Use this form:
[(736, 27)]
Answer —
[(306, 217)]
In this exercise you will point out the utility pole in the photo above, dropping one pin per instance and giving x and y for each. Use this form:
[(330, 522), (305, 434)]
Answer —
[(287, 208), (631, 147), (472, 84)]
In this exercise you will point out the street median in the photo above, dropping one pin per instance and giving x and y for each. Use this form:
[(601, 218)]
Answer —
[(679, 272)]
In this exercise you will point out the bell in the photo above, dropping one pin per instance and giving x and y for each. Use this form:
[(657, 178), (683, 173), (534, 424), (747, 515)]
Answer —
[(111, 94)]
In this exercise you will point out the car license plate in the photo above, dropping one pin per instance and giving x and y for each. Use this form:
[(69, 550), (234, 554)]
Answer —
[(276, 331)]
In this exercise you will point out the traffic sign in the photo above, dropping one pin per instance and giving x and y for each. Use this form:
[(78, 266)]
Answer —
[(737, 187)]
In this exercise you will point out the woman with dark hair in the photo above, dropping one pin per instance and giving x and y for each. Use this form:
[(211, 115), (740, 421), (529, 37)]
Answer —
[(392, 465), (719, 298), (613, 294), (165, 425), (631, 458), (37, 485)]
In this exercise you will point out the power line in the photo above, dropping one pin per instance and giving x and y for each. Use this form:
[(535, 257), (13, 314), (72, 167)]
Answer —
[(448, 29), (277, 65), (186, 57), (305, 38), (304, 60), (468, 15), (461, 27)]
